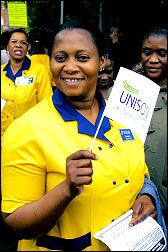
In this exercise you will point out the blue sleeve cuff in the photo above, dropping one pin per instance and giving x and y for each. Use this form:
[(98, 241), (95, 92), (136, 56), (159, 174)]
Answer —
[(150, 188)]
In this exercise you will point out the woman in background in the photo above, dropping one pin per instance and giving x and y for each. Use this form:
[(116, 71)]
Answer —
[(23, 83), (105, 80), (38, 39), (154, 64)]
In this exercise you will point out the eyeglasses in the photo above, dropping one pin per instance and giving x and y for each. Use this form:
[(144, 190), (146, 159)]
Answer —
[(15, 41)]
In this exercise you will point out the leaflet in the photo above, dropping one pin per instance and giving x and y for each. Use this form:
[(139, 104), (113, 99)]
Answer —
[(144, 236)]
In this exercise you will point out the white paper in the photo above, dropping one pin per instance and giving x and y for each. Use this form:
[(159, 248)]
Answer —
[(144, 236), (132, 101), (2, 104)]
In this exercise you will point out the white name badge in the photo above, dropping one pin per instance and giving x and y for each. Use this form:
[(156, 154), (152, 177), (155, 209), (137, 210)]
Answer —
[(22, 81)]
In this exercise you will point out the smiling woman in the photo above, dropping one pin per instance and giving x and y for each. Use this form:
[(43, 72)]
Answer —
[(53, 187), (154, 62), (23, 83), (75, 69), (154, 55)]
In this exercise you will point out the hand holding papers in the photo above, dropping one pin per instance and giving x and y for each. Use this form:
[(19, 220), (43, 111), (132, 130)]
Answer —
[(131, 102), (144, 236)]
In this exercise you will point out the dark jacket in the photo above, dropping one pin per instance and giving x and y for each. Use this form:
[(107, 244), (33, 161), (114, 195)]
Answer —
[(156, 149)]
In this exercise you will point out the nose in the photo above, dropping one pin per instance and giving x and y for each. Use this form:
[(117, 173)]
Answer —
[(71, 66), (104, 76), (154, 58), (112, 34), (18, 43)]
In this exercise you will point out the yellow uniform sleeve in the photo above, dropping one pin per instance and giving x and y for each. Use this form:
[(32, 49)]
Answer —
[(23, 168)]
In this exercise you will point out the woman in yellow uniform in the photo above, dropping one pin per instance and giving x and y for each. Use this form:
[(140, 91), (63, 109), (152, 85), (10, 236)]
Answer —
[(23, 83), (55, 193), (38, 39)]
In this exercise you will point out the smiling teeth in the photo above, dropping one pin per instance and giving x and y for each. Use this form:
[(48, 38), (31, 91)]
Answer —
[(71, 80)]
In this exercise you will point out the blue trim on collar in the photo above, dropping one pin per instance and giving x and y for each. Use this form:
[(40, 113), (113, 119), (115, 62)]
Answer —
[(25, 66), (68, 113)]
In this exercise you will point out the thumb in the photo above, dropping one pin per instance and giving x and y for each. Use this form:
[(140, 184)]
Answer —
[(88, 149)]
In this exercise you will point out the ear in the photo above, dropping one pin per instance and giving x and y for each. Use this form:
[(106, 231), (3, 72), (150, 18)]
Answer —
[(102, 62), (29, 47)]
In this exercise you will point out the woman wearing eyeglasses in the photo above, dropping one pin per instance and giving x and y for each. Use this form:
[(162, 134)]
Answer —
[(23, 83)]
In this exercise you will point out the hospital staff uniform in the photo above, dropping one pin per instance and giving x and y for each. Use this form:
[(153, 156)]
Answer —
[(30, 85), (45, 60), (34, 162)]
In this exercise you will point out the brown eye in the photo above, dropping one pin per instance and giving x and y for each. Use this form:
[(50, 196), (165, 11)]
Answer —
[(162, 53), (60, 58), (13, 41), (147, 52), (24, 43), (83, 57)]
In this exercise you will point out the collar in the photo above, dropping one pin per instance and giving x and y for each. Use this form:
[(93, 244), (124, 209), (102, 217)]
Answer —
[(68, 113), (25, 66)]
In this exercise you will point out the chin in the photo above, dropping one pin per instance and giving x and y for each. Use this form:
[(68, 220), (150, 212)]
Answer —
[(74, 95), (152, 75)]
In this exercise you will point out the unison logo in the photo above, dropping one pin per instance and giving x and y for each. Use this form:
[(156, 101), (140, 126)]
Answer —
[(129, 98)]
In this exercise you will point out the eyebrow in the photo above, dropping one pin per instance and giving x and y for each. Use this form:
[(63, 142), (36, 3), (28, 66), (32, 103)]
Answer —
[(18, 40), (159, 49), (78, 51), (82, 50)]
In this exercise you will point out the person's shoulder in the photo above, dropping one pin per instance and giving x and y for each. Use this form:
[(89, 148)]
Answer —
[(3, 66), (38, 111), (38, 66), (36, 122), (39, 57)]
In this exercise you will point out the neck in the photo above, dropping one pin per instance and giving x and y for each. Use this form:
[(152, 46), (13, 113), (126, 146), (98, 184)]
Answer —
[(91, 112), (89, 109), (15, 65), (105, 93)]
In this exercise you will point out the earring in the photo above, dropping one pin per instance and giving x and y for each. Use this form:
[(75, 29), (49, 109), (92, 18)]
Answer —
[(101, 69)]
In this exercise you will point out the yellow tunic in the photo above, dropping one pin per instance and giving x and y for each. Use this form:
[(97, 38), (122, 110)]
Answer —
[(31, 85), (45, 60), (34, 161)]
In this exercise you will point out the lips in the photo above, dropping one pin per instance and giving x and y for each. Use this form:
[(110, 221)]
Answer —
[(18, 52), (153, 69), (103, 83)]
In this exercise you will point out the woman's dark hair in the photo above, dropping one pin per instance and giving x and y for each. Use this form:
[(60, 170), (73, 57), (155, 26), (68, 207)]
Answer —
[(96, 34), (38, 39), (156, 31), (17, 30)]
